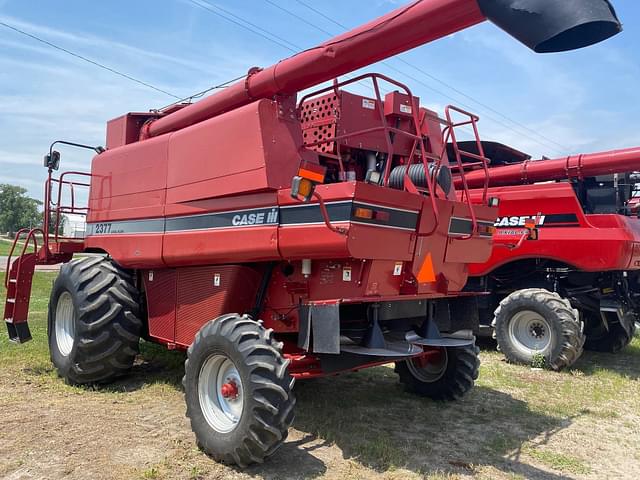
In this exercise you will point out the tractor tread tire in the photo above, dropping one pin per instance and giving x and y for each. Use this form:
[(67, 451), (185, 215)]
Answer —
[(269, 398), (565, 319), (613, 341), (107, 323), (461, 373)]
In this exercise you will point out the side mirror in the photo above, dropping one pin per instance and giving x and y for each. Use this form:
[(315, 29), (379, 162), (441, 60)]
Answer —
[(52, 160)]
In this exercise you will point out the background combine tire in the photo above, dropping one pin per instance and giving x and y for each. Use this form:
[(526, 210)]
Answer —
[(448, 378), (93, 324), (238, 390), (536, 321), (610, 340)]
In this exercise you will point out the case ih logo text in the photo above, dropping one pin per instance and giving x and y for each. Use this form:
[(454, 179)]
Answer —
[(255, 218), (518, 221)]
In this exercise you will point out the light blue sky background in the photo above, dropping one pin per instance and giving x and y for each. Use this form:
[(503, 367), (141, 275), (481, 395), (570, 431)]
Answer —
[(573, 102)]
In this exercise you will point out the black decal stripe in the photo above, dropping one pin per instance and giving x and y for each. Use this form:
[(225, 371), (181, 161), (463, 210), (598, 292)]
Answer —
[(303, 214), (155, 225), (342, 211), (390, 217), (561, 218), (237, 218), (464, 226)]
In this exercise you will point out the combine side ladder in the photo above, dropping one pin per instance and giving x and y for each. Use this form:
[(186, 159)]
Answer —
[(16, 309)]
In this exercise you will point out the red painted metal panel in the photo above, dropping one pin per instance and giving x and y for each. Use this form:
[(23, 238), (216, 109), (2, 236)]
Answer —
[(473, 249), (131, 251), (160, 288), (209, 205), (249, 149), (593, 243), (205, 293), (126, 129), (221, 246), (129, 182)]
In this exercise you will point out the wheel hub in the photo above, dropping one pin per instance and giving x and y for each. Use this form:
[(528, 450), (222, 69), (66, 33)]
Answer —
[(229, 390), (530, 332), (221, 393), (537, 330)]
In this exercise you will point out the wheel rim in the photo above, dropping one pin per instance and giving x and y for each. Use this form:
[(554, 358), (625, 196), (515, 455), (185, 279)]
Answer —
[(432, 371), (220, 393), (65, 324), (530, 332)]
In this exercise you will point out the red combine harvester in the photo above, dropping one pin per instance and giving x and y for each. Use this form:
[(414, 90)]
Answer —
[(573, 280), (332, 218)]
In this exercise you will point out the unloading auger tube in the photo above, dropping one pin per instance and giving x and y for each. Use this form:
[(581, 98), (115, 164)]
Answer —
[(542, 25), (571, 167)]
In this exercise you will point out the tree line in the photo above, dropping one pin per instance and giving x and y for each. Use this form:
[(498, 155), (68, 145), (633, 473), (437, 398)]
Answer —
[(17, 210)]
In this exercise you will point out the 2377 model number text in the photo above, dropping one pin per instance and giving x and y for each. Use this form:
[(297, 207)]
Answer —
[(102, 228)]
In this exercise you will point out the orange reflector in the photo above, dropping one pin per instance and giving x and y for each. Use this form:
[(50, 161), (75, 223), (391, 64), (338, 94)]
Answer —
[(363, 213), (426, 273), (305, 187), (312, 171), (530, 223)]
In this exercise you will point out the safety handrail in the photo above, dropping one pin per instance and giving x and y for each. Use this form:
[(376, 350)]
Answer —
[(449, 132), (30, 235), (418, 140), (57, 204)]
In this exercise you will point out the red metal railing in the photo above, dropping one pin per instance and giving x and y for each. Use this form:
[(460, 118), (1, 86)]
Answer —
[(449, 133), (418, 140), (58, 207), (419, 150), (31, 235)]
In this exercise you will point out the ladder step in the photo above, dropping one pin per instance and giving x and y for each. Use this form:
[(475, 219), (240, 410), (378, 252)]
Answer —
[(13, 280), (8, 320), (11, 300)]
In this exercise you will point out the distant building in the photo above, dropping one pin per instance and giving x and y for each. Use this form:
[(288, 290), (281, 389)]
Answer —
[(73, 225)]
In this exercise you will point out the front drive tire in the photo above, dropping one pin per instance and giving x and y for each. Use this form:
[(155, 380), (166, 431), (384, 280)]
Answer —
[(448, 378), (238, 390), (536, 321), (93, 324)]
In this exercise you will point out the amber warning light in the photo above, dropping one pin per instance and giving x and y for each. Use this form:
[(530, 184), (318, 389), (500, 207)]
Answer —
[(304, 184)]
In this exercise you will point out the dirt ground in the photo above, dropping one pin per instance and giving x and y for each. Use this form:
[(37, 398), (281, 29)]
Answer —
[(517, 423)]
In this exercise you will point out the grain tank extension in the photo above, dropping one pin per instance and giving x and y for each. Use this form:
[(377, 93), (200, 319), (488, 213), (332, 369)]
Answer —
[(332, 218)]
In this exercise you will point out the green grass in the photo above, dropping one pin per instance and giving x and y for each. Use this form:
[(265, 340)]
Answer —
[(558, 461), (33, 355), (5, 247), (502, 429)]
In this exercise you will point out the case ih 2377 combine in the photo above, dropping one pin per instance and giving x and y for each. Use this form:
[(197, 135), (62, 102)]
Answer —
[(575, 283), (331, 218)]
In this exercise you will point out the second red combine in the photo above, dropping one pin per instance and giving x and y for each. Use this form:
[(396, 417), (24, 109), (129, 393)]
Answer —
[(572, 281)]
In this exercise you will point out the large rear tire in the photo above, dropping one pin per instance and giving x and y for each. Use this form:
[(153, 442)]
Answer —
[(93, 323), (449, 377), (238, 390), (535, 321)]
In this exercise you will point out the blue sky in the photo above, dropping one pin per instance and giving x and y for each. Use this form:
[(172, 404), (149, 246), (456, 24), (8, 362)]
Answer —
[(574, 102)]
